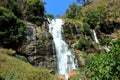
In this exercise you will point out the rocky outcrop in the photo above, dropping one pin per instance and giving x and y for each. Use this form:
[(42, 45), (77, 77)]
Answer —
[(38, 47), (71, 33)]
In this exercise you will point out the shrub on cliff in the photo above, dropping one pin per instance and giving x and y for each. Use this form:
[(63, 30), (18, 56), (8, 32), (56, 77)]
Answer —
[(81, 44), (12, 30), (13, 69), (73, 12), (85, 29)]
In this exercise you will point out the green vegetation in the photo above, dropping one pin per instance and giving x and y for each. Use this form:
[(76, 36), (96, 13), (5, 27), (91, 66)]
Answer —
[(73, 12), (81, 44), (12, 14), (12, 29), (14, 6), (101, 17), (106, 41), (13, 69), (30, 10), (106, 66), (85, 29), (35, 11)]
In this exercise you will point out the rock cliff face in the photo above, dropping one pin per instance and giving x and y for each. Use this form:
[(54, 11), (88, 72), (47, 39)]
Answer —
[(38, 47), (71, 33)]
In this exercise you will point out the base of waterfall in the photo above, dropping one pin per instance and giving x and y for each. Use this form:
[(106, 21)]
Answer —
[(71, 74)]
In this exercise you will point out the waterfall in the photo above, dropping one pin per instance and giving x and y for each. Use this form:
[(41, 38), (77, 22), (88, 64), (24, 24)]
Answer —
[(65, 59), (106, 49), (95, 37)]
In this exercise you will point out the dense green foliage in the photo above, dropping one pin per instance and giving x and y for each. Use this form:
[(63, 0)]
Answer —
[(12, 12), (81, 44), (14, 6), (73, 12), (12, 30), (85, 29), (106, 41), (84, 44), (106, 66), (35, 11), (100, 17), (32, 10), (14, 69)]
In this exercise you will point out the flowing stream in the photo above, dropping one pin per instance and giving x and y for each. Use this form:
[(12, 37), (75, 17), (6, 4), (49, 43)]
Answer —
[(65, 59)]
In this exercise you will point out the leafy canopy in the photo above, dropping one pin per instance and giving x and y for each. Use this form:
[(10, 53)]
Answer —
[(35, 11), (12, 30)]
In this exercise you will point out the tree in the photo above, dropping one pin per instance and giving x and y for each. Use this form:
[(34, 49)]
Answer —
[(35, 11), (12, 30), (73, 12), (14, 6)]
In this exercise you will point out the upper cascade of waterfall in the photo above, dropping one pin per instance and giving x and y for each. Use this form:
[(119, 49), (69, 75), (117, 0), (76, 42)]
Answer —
[(65, 59), (95, 37)]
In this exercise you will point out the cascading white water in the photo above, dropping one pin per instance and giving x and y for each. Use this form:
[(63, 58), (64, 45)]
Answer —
[(107, 49), (64, 56), (96, 40), (95, 37)]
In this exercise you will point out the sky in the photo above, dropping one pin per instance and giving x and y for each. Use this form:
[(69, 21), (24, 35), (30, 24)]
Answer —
[(57, 7)]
